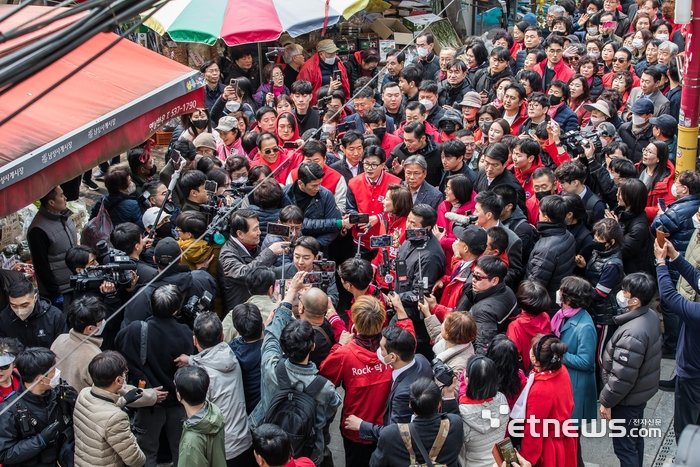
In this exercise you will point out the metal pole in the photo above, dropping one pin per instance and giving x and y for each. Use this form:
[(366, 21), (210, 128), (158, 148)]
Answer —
[(690, 97)]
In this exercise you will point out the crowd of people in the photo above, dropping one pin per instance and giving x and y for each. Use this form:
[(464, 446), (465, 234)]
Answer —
[(493, 230)]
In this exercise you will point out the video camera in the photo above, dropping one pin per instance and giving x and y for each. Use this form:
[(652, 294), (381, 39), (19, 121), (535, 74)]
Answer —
[(576, 143), (115, 266), (194, 306)]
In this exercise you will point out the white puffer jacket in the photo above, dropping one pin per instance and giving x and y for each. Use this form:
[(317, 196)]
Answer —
[(479, 435)]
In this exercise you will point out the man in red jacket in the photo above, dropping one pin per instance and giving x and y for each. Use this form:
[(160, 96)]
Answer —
[(319, 69), (470, 244), (375, 124), (366, 194), (553, 67)]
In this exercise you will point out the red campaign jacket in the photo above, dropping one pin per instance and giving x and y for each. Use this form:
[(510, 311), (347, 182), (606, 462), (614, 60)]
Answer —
[(390, 142), (522, 116), (295, 156), (369, 199), (662, 189), (524, 328), (311, 72), (330, 178), (533, 210), (366, 380), (453, 290), (429, 130), (561, 71), (550, 397), (449, 238), (525, 178)]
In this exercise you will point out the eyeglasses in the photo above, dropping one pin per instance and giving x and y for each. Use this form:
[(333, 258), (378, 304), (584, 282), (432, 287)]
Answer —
[(271, 151), (278, 75), (619, 60), (479, 277), (369, 166), (648, 152), (213, 70)]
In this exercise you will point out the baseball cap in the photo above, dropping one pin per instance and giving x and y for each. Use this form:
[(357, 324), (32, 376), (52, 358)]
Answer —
[(149, 217), (326, 45), (600, 105), (665, 123), (227, 124), (6, 358), (643, 106), (471, 99), (473, 235), (606, 129), (205, 140), (166, 251)]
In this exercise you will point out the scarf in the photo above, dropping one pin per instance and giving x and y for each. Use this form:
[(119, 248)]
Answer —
[(560, 316), (370, 343), (553, 109)]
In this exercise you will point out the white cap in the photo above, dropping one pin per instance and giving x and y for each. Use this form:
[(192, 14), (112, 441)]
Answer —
[(149, 217)]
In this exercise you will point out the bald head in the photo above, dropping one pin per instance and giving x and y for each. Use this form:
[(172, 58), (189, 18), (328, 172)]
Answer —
[(315, 302)]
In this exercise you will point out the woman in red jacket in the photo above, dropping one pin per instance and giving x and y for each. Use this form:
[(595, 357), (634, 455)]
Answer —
[(398, 203), (459, 198), (547, 396), (534, 301), (9, 378), (658, 174), (354, 364)]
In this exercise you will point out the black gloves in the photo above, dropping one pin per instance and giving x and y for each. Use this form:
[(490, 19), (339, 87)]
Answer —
[(50, 433), (132, 396)]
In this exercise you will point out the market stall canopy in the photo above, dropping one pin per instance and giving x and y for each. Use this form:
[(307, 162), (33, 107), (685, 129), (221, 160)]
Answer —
[(245, 21), (110, 106)]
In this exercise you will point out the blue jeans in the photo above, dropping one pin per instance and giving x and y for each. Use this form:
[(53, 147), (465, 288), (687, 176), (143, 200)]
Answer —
[(629, 450)]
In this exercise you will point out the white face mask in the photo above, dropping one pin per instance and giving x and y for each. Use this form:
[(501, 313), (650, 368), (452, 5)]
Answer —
[(54, 382), (239, 181), (597, 121), (595, 55), (379, 353), (422, 53), (232, 106), (558, 298), (427, 104), (23, 313), (696, 222), (662, 37), (499, 94), (327, 128), (674, 191), (638, 120), (592, 31), (622, 300), (100, 329), (131, 189), (637, 43)]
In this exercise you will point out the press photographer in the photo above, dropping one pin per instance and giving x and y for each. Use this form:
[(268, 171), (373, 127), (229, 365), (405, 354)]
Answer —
[(190, 283), (425, 265)]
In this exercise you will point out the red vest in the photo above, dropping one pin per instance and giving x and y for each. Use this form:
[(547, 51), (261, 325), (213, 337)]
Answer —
[(330, 179), (369, 200)]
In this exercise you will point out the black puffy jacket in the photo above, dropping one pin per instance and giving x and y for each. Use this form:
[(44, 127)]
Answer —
[(453, 95), (40, 329), (596, 87), (636, 248), (320, 218), (635, 141), (490, 310), (552, 258), (485, 81)]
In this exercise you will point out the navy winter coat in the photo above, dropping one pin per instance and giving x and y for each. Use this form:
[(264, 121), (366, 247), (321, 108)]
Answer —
[(566, 118), (320, 217), (121, 207), (678, 221)]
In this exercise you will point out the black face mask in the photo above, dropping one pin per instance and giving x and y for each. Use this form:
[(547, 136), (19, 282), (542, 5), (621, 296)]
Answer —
[(598, 246), (540, 195), (485, 126), (379, 133), (554, 100), (165, 230), (449, 127), (153, 170), (200, 124)]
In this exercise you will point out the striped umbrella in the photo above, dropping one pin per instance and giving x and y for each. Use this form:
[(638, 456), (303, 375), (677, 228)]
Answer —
[(245, 21)]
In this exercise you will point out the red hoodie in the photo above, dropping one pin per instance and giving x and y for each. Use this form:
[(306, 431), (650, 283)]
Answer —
[(366, 380), (525, 178), (562, 71), (330, 178), (311, 72), (662, 189), (429, 130), (452, 292), (524, 328)]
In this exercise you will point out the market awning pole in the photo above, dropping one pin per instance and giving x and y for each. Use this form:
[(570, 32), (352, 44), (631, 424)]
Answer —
[(260, 60), (690, 97)]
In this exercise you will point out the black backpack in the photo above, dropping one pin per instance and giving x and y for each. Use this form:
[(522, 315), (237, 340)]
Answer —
[(295, 411)]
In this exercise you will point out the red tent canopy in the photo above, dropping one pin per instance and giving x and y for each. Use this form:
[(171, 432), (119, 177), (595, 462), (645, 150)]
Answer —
[(110, 106)]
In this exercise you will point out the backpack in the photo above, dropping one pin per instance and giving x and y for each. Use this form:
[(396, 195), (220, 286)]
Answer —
[(295, 411), (408, 429)]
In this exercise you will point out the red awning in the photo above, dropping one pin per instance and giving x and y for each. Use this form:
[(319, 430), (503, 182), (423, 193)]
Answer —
[(110, 106)]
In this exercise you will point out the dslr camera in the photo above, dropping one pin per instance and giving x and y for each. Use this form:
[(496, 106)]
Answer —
[(443, 373), (194, 306)]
